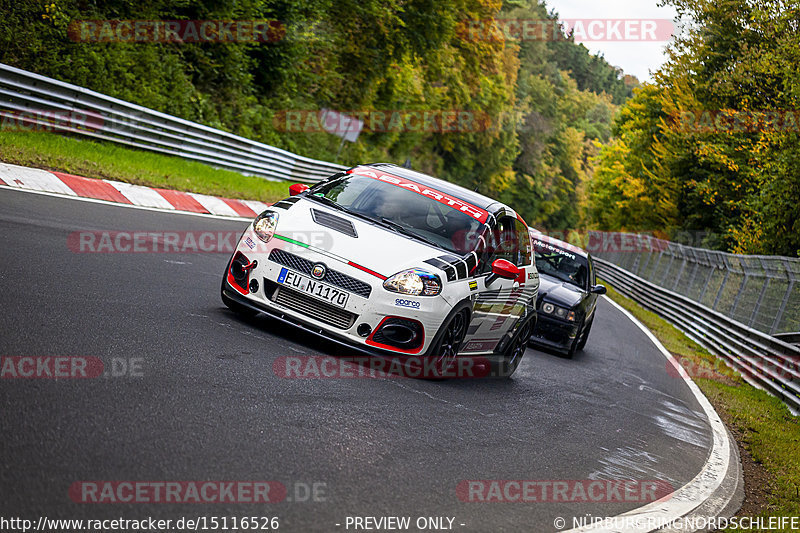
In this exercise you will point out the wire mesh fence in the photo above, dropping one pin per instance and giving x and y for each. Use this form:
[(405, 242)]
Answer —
[(761, 292)]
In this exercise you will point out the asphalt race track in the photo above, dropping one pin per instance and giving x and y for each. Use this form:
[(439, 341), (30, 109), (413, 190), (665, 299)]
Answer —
[(205, 404)]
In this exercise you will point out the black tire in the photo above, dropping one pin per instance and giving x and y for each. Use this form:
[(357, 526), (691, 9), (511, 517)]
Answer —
[(505, 365), (585, 335), (445, 348), (573, 347)]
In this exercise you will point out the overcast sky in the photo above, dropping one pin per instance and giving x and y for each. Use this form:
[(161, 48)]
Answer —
[(635, 57)]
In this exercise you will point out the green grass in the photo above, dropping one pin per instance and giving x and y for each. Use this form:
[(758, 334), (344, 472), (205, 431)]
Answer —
[(112, 161), (762, 423)]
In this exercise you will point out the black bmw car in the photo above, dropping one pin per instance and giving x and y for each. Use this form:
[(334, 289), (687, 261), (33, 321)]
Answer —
[(568, 294)]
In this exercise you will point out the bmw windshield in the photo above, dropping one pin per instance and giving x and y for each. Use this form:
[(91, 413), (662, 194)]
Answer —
[(402, 210), (562, 264)]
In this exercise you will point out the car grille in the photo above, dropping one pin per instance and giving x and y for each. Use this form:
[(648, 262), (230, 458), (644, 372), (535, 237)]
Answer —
[(312, 307), (333, 277), (342, 225)]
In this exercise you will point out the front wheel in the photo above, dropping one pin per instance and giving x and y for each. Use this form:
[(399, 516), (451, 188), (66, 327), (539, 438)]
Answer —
[(507, 363), (575, 345), (585, 335), (444, 350)]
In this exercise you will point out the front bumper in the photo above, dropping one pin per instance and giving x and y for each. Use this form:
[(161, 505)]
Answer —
[(306, 326), (369, 306), (554, 333)]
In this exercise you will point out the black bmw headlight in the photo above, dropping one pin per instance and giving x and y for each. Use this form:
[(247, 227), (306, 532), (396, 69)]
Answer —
[(557, 311)]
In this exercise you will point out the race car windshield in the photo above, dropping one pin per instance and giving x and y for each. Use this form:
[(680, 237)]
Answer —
[(562, 264), (404, 210)]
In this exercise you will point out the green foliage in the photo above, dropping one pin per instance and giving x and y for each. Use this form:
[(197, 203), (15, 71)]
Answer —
[(549, 104), (740, 183)]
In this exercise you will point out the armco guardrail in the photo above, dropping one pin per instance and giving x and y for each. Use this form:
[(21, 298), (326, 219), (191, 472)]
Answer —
[(761, 359), (39, 101), (762, 292)]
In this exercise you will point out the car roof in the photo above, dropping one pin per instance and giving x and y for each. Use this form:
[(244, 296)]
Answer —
[(560, 244), (472, 197)]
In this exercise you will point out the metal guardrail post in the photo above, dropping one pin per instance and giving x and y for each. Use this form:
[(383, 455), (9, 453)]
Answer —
[(669, 267), (722, 285), (658, 262), (711, 270), (649, 255), (680, 272), (776, 324), (693, 274), (739, 294), (757, 307)]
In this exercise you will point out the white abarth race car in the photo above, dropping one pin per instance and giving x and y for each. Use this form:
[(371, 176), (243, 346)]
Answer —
[(395, 263)]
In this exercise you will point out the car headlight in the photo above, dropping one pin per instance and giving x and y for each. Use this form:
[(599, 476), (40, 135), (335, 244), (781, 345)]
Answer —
[(560, 312), (264, 225), (415, 282)]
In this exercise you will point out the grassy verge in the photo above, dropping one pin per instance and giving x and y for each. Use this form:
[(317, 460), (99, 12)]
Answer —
[(105, 160), (768, 434)]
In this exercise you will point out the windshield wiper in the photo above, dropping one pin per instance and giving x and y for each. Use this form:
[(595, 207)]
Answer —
[(406, 231)]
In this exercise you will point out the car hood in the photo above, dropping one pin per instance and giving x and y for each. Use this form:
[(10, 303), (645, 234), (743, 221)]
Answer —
[(379, 249), (559, 292)]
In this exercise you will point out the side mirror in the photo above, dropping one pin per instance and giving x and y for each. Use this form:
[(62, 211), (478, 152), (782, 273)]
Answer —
[(502, 269), (598, 289), (297, 188)]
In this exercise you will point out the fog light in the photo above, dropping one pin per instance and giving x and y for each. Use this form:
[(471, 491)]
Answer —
[(364, 329)]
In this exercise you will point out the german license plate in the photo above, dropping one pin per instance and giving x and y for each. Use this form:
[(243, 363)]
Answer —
[(317, 289)]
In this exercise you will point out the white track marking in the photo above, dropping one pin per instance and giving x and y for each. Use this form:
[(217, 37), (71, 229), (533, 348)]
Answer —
[(143, 196), (172, 211), (34, 179), (705, 483), (256, 206), (214, 205)]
